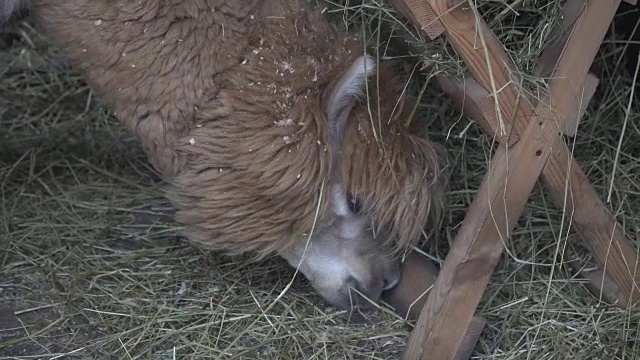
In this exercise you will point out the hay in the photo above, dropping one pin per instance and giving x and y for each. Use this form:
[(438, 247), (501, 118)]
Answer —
[(93, 266)]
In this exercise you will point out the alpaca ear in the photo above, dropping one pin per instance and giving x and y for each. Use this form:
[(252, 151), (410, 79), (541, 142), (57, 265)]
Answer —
[(344, 95)]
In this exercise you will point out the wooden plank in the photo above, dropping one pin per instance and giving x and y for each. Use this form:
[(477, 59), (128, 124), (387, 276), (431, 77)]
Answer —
[(597, 281), (558, 36), (550, 56), (570, 12), (482, 103), (603, 288), (421, 15), (497, 206), (476, 102), (547, 63), (408, 297), (593, 222), (572, 119)]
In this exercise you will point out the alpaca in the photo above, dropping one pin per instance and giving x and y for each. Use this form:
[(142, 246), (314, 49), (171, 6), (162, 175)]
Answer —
[(276, 133)]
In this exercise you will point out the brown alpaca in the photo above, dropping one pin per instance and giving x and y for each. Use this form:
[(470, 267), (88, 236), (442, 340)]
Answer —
[(273, 129)]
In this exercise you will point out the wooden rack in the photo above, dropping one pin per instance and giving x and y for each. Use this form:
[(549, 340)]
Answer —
[(532, 147)]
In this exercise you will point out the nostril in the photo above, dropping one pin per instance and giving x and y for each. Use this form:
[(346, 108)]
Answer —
[(389, 284), (391, 281), (352, 282)]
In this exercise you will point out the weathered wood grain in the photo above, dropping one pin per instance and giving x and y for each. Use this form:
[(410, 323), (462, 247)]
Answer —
[(477, 103), (421, 15)]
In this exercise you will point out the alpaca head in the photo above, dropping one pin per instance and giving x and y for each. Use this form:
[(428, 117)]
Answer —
[(373, 200)]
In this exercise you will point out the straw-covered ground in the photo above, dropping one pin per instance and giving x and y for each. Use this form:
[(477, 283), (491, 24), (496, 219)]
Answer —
[(90, 268)]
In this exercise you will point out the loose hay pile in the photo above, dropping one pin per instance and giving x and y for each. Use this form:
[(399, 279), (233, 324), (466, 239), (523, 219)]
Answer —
[(93, 268)]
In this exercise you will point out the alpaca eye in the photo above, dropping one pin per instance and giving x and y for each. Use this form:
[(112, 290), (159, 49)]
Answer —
[(354, 205)]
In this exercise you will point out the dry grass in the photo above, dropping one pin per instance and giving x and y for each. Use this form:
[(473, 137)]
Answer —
[(92, 266)]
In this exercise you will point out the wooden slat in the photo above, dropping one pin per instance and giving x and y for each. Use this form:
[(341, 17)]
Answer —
[(591, 218), (505, 190), (597, 282), (421, 15), (558, 36), (476, 102), (463, 90), (599, 235), (408, 297), (572, 119), (549, 58), (595, 234), (593, 222)]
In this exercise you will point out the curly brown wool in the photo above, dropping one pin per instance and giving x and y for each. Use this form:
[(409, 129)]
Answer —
[(229, 100)]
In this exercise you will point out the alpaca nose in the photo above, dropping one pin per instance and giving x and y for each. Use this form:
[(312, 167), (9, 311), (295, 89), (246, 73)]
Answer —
[(391, 280), (373, 287), (367, 289)]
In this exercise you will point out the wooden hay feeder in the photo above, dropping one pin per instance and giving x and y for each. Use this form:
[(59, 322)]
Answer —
[(530, 135)]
